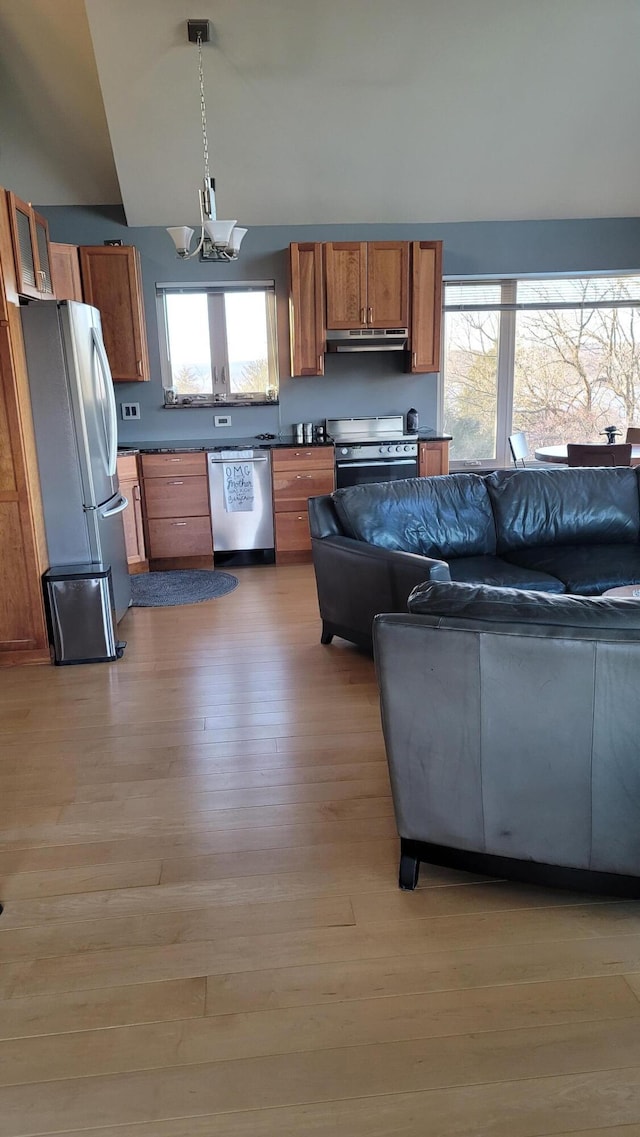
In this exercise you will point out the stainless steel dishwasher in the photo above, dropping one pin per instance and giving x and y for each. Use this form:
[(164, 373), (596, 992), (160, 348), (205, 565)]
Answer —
[(241, 502)]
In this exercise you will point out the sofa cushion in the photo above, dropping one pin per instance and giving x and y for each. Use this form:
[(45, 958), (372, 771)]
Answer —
[(496, 571), (532, 613), (563, 506), (443, 517), (586, 570)]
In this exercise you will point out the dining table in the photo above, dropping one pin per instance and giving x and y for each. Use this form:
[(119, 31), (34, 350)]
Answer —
[(558, 454)]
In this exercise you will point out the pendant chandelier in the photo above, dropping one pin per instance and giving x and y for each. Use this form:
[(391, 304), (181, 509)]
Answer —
[(219, 240)]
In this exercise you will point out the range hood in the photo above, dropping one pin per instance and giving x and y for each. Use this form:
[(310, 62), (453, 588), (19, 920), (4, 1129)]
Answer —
[(367, 339)]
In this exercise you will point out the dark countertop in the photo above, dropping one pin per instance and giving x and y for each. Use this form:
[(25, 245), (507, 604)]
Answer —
[(174, 445)]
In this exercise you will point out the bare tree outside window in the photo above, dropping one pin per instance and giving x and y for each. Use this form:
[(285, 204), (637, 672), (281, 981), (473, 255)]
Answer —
[(572, 369)]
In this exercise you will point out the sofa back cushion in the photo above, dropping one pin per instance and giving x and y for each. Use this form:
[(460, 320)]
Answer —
[(481, 607), (563, 506), (443, 517)]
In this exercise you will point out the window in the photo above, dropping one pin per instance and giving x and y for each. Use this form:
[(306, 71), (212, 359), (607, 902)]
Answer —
[(558, 359), (218, 344)]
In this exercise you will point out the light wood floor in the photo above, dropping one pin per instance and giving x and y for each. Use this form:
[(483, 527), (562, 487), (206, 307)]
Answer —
[(203, 936)]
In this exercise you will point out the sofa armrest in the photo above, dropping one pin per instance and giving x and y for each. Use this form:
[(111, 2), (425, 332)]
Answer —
[(356, 581)]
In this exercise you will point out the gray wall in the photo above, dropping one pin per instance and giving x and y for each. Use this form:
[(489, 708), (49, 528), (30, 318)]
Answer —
[(353, 384)]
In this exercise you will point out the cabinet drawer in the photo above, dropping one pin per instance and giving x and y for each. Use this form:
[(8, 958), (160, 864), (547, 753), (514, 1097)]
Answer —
[(127, 468), (292, 532), (292, 490), (303, 458), (177, 497), (163, 465), (180, 537)]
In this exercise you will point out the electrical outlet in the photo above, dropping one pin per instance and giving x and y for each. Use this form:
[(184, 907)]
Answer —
[(130, 410), (222, 420)]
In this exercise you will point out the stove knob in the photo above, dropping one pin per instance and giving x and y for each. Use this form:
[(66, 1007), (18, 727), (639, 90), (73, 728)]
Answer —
[(398, 449), (407, 449), (344, 450)]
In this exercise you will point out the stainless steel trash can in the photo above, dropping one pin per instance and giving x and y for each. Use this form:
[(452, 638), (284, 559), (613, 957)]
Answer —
[(80, 613)]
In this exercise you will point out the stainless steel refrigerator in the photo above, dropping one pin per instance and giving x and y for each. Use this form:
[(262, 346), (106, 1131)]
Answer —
[(74, 415)]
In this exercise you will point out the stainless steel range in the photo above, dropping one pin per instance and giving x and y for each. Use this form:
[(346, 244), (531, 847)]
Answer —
[(372, 450)]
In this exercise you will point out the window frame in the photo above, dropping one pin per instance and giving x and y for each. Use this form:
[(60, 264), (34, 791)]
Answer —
[(505, 371), (221, 392)]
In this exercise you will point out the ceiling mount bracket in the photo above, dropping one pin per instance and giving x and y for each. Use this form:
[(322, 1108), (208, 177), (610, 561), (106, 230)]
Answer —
[(199, 30)]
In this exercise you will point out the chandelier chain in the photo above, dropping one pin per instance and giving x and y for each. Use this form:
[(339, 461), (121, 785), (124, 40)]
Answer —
[(203, 111)]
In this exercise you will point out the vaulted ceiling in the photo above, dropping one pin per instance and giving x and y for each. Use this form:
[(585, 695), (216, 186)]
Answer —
[(324, 111)]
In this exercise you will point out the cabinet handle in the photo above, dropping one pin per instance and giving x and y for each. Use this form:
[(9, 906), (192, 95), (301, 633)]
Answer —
[(176, 483), (304, 475), (139, 366), (43, 280), (136, 492), (175, 459), (302, 518), (319, 363), (371, 315), (177, 523), (363, 316), (299, 454)]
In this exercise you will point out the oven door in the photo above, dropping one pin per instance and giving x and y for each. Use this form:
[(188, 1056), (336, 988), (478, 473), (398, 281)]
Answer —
[(363, 472)]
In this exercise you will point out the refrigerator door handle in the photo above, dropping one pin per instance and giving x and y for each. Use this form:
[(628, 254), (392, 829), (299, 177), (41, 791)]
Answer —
[(112, 431), (119, 508)]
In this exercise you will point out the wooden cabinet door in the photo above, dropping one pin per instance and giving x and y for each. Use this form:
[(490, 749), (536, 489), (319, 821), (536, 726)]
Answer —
[(112, 282), (306, 309), (133, 527), (129, 482), (388, 284), (426, 305), (433, 458), (30, 236), (65, 271), (345, 267)]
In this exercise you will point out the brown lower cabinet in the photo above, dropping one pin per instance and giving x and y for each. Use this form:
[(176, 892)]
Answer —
[(129, 482), (433, 458), (298, 474), (177, 511)]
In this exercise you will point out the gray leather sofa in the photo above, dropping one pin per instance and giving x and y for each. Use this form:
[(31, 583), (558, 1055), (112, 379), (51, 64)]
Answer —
[(551, 530), (512, 731)]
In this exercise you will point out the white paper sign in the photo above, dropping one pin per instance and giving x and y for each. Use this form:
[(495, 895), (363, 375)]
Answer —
[(239, 494)]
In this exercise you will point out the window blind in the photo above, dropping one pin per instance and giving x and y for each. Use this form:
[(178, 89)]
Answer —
[(529, 295)]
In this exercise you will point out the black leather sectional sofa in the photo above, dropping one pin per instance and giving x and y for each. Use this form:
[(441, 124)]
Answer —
[(550, 530)]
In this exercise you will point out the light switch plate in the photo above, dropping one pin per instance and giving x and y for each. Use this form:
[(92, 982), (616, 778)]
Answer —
[(130, 410), (222, 420)]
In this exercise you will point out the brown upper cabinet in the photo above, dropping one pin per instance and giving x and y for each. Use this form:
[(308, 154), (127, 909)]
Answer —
[(30, 237), (306, 309), (426, 305), (367, 284), (112, 282), (65, 271)]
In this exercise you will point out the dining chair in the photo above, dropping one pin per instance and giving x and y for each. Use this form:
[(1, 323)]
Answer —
[(594, 454), (519, 447), (633, 435)]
